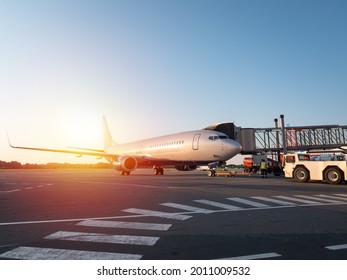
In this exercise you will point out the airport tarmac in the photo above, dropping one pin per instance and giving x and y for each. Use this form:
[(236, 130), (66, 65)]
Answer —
[(98, 214)]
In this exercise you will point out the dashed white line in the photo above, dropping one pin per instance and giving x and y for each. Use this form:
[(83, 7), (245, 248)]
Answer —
[(11, 191), (103, 238), (35, 253)]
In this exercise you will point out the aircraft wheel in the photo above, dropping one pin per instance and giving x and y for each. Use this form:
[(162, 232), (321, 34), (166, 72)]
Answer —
[(158, 171)]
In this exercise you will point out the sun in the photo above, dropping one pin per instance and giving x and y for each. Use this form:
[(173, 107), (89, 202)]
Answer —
[(81, 128)]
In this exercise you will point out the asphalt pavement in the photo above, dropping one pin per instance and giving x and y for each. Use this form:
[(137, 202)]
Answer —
[(98, 214)]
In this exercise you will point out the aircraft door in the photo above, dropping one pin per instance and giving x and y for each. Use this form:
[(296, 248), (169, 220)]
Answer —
[(196, 139)]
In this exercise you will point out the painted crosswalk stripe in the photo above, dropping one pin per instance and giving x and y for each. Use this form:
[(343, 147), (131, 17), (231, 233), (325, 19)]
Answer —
[(332, 197), (35, 253), (276, 201), (160, 214), (103, 238), (318, 199), (248, 202), (129, 225), (218, 204), (187, 208), (339, 194), (297, 199), (254, 257), (337, 247)]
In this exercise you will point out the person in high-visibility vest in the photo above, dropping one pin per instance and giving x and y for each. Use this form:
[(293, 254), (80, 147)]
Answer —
[(263, 168)]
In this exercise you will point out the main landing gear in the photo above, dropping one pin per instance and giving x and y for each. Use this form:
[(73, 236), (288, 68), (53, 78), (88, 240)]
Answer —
[(158, 170)]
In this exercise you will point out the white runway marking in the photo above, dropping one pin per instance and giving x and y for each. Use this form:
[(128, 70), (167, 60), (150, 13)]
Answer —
[(24, 188), (34, 253), (103, 238), (129, 225), (218, 204), (11, 191), (297, 199), (345, 195), (319, 199), (337, 247), (248, 202), (276, 201), (167, 215), (254, 257), (186, 215), (188, 208), (333, 197)]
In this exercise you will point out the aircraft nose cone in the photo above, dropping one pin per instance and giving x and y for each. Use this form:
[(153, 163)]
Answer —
[(234, 148)]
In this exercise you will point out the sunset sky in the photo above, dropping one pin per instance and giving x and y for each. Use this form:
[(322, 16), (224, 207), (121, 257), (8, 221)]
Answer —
[(156, 67)]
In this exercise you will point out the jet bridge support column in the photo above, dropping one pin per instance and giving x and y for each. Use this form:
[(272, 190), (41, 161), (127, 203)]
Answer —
[(277, 141), (284, 140)]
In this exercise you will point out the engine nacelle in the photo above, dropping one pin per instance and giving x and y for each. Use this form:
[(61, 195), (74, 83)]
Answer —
[(125, 164), (186, 167)]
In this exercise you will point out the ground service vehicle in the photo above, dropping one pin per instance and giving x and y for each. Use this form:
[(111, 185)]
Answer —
[(221, 172), (312, 166), (252, 164)]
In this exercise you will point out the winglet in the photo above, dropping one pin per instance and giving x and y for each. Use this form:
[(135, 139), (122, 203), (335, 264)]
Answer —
[(9, 142)]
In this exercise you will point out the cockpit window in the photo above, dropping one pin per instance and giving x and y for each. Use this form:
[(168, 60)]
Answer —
[(216, 137)]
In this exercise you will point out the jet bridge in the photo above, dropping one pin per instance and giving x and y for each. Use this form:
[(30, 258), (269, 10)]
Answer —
[(282, 139), (298, 138)]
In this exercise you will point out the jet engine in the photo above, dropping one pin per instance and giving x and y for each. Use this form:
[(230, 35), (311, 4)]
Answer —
[(125, 164), (186, 167)]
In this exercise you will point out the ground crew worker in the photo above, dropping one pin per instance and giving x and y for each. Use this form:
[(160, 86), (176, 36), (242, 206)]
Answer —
[(263, 168)]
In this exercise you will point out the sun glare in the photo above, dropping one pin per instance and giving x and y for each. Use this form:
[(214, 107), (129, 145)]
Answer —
[(82, 128)]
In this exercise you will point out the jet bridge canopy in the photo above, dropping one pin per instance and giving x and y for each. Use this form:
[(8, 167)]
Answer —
[(227, 128)]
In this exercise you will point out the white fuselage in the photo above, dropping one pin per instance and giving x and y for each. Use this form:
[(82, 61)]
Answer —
[(200, 146)]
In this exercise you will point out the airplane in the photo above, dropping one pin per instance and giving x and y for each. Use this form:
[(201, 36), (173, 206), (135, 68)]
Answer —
[(185, 151)]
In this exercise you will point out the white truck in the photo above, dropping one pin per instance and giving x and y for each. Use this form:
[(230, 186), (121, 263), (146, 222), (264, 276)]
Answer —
[(317, 167)]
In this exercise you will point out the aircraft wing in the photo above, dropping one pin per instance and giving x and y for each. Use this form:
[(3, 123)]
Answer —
[(89, 152), (143, 161)]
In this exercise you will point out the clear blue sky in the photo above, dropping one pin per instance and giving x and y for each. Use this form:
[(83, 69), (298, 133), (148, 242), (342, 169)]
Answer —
[(156, 67)]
